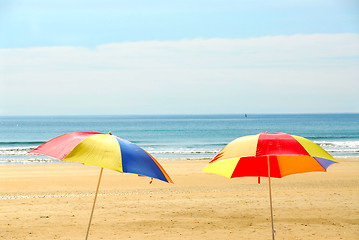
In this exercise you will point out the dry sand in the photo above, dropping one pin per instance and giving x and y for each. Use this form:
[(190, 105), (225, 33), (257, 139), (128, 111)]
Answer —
[(53, 201)]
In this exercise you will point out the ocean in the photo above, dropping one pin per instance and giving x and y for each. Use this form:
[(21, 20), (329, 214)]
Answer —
[(177, 136)]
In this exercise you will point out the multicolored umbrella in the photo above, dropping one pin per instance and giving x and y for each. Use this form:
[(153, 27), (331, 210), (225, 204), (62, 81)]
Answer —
[(105, 151), (269, 155)]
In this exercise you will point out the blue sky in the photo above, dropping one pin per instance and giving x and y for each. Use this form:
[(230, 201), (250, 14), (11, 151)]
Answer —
[(90, 23), (178, 57)]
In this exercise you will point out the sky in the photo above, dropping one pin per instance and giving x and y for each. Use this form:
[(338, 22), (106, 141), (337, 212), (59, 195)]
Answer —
[(178, 57)]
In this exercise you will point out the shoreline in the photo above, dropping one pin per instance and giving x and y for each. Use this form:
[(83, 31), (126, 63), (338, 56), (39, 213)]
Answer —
[(53, 201), (208, 159)]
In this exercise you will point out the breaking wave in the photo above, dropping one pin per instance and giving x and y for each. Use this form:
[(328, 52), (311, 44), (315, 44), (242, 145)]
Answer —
[(11, 153)]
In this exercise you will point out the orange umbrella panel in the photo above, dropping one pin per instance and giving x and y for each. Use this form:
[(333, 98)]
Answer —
[(280, 166)]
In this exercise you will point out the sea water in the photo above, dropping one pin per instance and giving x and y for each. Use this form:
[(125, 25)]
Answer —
[(177, 136)]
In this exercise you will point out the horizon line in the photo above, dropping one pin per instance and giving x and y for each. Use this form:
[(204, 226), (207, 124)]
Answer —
[(171, 114)]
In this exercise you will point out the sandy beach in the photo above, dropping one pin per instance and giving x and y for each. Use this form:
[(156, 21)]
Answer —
[(53, 201)]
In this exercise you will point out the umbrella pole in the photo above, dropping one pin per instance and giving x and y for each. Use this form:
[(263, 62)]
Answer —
[(94, 202), (270, 198)]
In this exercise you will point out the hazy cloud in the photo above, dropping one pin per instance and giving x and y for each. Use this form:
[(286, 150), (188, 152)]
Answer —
[(299, 73)]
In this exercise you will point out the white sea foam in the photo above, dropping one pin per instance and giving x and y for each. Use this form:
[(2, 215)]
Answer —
[(11, 197), (340, 147), (19, 154), (351, 144), (184, 151), (27, 160)]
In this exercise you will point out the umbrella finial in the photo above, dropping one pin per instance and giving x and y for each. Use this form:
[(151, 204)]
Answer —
[(110, 132)]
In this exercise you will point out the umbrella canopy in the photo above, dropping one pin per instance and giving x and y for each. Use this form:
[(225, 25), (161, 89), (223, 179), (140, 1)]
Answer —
[(103, 150), (288, 154), (269, 155)]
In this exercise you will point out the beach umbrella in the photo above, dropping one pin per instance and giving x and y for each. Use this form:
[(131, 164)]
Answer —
[(269, 155), (105, 151)]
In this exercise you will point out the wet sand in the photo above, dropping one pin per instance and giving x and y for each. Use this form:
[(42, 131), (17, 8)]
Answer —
[(54, 201)]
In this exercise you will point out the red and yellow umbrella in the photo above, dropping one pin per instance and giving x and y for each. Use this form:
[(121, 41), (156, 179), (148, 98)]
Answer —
[(269, 155), (287, 154)]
